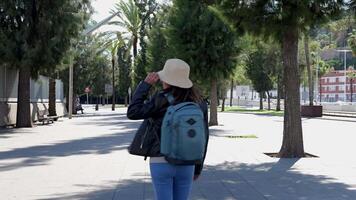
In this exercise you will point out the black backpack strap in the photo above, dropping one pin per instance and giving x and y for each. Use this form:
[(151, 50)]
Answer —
[(169, 97)]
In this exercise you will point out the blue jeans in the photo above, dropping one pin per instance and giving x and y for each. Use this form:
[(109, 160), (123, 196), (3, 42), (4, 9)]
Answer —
[(172, 182)]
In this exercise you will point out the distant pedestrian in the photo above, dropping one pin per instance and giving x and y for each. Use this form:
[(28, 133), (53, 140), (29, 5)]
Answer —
[(78, 105), (172, 173)]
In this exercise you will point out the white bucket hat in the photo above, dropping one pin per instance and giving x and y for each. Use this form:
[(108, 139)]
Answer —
[(176, 72)]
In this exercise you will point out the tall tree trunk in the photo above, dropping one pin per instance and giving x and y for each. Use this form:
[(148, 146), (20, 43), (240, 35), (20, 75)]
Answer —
[(23, 117), (231, 91), (261, 100), (52, 97), (310, 76), (279, 90), (74, 104), (213, 103), (113, 82), (351, 89), (135, 39), (269, 100), (97, 104), (320, 91), (223, 104), (292, 145)]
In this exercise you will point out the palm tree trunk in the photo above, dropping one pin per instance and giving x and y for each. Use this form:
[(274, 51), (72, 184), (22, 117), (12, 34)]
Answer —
[(310, 77), (213, 103), (231, 91), (23, 117), (52, 97), (292, 145), (135, 46)]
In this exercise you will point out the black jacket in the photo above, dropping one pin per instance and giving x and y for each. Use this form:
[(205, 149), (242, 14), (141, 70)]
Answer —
[(152, 110)]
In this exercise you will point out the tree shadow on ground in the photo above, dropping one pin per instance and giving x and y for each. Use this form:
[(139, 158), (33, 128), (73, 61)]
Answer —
[(235, 181), (7, 132), (42, 154)]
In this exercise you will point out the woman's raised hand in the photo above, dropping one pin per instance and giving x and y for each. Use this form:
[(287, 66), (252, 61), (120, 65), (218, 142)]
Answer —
[(152, 78)]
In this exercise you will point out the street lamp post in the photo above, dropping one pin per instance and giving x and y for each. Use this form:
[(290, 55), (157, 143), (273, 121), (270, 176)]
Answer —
[(345, 51)]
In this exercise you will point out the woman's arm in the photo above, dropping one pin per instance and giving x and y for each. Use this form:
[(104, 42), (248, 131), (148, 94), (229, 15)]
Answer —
[(139, 108)]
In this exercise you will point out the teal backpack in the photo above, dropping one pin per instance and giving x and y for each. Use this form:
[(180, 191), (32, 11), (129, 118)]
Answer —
[(183, 136)]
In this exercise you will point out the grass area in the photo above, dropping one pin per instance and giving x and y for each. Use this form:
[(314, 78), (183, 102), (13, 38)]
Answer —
[(253, 111)]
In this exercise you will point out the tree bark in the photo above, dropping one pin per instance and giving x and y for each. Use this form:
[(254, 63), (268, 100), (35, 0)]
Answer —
[(52, 97), (113, 83), (310, 76), (231, 91), (269, 100), (351, 89), (223, 105), (23, 117), (292, 145), (261, 100), (135, 46), (97, 104), (279, 91), (74, 103), (320, 91), (213, 103)]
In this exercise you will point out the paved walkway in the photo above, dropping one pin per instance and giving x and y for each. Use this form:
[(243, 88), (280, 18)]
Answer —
[(86, 158)]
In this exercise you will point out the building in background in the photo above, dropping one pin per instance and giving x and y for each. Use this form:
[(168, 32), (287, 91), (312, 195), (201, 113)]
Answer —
[(333, 84)]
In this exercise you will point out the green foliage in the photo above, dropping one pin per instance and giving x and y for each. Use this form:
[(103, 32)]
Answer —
[(198, 36), (274, 18), (130, 21), (91, 67), (257, 69), (146, 11), (157, 49), (37, 34), (352, 41), (335, 64), (124, 65)]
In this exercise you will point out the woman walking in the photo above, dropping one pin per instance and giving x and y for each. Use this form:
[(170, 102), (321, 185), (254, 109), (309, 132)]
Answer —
[(171, 181)]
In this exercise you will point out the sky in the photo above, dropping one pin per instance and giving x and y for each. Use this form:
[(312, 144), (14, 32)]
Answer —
[(102, 10)]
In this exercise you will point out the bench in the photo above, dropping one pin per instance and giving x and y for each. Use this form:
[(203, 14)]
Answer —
[(42, 116)]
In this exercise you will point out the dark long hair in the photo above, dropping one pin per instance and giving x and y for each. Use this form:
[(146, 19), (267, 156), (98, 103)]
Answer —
[(186, 94)]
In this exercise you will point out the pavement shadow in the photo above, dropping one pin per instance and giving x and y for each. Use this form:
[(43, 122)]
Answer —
[(234, 181), (8, 132), (275, 180), (133, 189), (42, 154)]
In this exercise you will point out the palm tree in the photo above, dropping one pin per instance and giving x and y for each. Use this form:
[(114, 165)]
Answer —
[(114, 42), (128, 14)]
